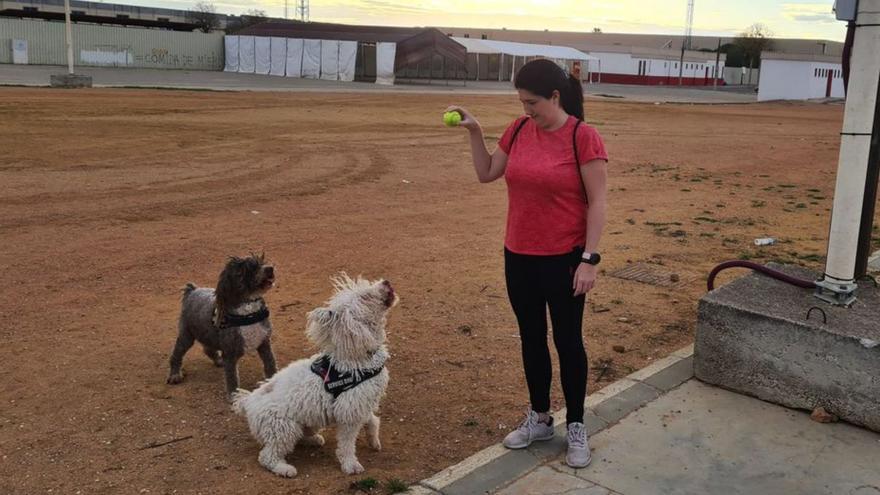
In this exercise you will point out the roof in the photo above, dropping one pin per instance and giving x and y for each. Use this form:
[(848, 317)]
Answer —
[(522, 49), (658, 53), (829, 59), (587, 41), (413, 44), (99, 19)]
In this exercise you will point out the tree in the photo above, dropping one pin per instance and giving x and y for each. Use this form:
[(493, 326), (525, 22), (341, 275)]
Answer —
[(754, 40), (249, 18), (597, 30), (204, 16), (734, 54)]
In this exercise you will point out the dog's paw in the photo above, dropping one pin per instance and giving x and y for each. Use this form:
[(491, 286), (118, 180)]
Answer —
[(374, 442), (315, 440), (352, 467), (285, 470), (174, 378)]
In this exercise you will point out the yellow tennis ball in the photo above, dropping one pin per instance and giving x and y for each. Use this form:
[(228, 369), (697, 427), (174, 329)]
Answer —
[(452, 119)]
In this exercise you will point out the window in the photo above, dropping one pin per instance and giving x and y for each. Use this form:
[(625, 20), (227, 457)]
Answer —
[(122, 16), (815, 72), (484, 36), (466, 35), (78, 12), (163, 19), (30, 9)]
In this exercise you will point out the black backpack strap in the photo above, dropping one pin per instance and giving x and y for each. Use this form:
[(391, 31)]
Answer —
[(577, 160), (516, 132)]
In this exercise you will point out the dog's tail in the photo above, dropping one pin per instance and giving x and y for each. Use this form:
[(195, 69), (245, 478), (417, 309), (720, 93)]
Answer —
[(239, 401), (188, 289)]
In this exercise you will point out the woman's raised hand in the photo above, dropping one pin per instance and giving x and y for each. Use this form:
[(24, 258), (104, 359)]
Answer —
[(467, 119)]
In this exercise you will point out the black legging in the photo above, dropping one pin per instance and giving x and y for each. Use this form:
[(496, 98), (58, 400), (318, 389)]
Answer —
[(533, 284)]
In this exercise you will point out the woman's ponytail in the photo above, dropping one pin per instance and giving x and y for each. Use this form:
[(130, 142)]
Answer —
[(572, 99)]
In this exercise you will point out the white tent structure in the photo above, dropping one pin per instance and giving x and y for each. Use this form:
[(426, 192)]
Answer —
[(512, 55)]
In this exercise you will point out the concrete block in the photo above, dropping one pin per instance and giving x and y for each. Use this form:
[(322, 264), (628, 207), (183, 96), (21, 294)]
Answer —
[(70, 81), (753, 337)]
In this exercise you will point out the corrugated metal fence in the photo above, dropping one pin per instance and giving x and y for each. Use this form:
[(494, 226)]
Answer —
[(111, 46)]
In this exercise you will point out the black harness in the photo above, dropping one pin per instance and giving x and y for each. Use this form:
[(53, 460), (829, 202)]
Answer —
[(336, 382), (231, 320)]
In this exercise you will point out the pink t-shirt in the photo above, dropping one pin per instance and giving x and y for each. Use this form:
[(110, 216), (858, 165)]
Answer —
[(546, 212)]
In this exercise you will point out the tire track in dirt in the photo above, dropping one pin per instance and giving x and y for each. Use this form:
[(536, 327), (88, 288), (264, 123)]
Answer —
[(353, 170)]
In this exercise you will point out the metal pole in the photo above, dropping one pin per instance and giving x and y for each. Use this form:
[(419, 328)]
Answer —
[(717, 61), (859, 134), (681, 64), (69, 37)]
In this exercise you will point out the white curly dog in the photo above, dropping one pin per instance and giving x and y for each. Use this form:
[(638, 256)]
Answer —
[(343, 384)]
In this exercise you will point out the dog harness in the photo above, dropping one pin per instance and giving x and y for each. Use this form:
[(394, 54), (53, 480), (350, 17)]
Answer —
[(337, 382), (233, 320)]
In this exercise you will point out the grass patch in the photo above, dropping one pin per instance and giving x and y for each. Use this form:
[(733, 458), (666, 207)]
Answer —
[(366, 484), (663, 224), (786, 186), (705, 219), (758, 204), (396, 485)]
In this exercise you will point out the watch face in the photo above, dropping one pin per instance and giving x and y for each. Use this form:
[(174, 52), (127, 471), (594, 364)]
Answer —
[(592, 259)]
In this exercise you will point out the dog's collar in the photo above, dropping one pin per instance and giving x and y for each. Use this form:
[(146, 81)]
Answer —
[(237, 320), (336, 382)]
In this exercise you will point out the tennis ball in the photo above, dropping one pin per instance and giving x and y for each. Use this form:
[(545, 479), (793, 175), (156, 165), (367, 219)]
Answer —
[(452, 119)]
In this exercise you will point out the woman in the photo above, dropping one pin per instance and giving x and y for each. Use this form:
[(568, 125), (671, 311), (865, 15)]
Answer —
[(555, 167)]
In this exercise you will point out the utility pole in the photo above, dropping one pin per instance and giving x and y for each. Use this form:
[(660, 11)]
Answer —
[(686, 42), (69, 37), (717, 61), (859, 160)]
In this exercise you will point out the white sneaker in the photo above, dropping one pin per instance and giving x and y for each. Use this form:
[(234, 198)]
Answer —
[(530, 430), (578, 455)]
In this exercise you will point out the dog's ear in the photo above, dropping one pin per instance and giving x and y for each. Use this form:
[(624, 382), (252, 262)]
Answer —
[(319, 325), (228, 291)]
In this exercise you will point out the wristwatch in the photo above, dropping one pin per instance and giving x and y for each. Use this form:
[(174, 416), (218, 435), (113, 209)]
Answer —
[(591, 258)]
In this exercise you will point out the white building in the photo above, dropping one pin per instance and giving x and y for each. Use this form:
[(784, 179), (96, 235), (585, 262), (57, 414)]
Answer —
[(635, 65), (786, 76)]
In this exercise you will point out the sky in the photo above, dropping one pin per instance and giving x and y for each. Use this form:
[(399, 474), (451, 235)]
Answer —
[(810, 19)]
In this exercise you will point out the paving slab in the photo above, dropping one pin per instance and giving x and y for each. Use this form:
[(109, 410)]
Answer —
[(699, 439)]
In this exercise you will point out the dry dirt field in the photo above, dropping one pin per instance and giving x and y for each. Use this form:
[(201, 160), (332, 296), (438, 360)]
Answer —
[(111, 200)]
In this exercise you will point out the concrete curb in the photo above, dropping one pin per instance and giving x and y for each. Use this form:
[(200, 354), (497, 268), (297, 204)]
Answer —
[(603, 409)]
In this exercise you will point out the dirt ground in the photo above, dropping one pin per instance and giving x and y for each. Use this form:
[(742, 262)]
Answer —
[(110, 200)]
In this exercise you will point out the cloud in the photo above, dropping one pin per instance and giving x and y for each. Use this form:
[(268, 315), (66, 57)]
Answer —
[(808, 12)]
